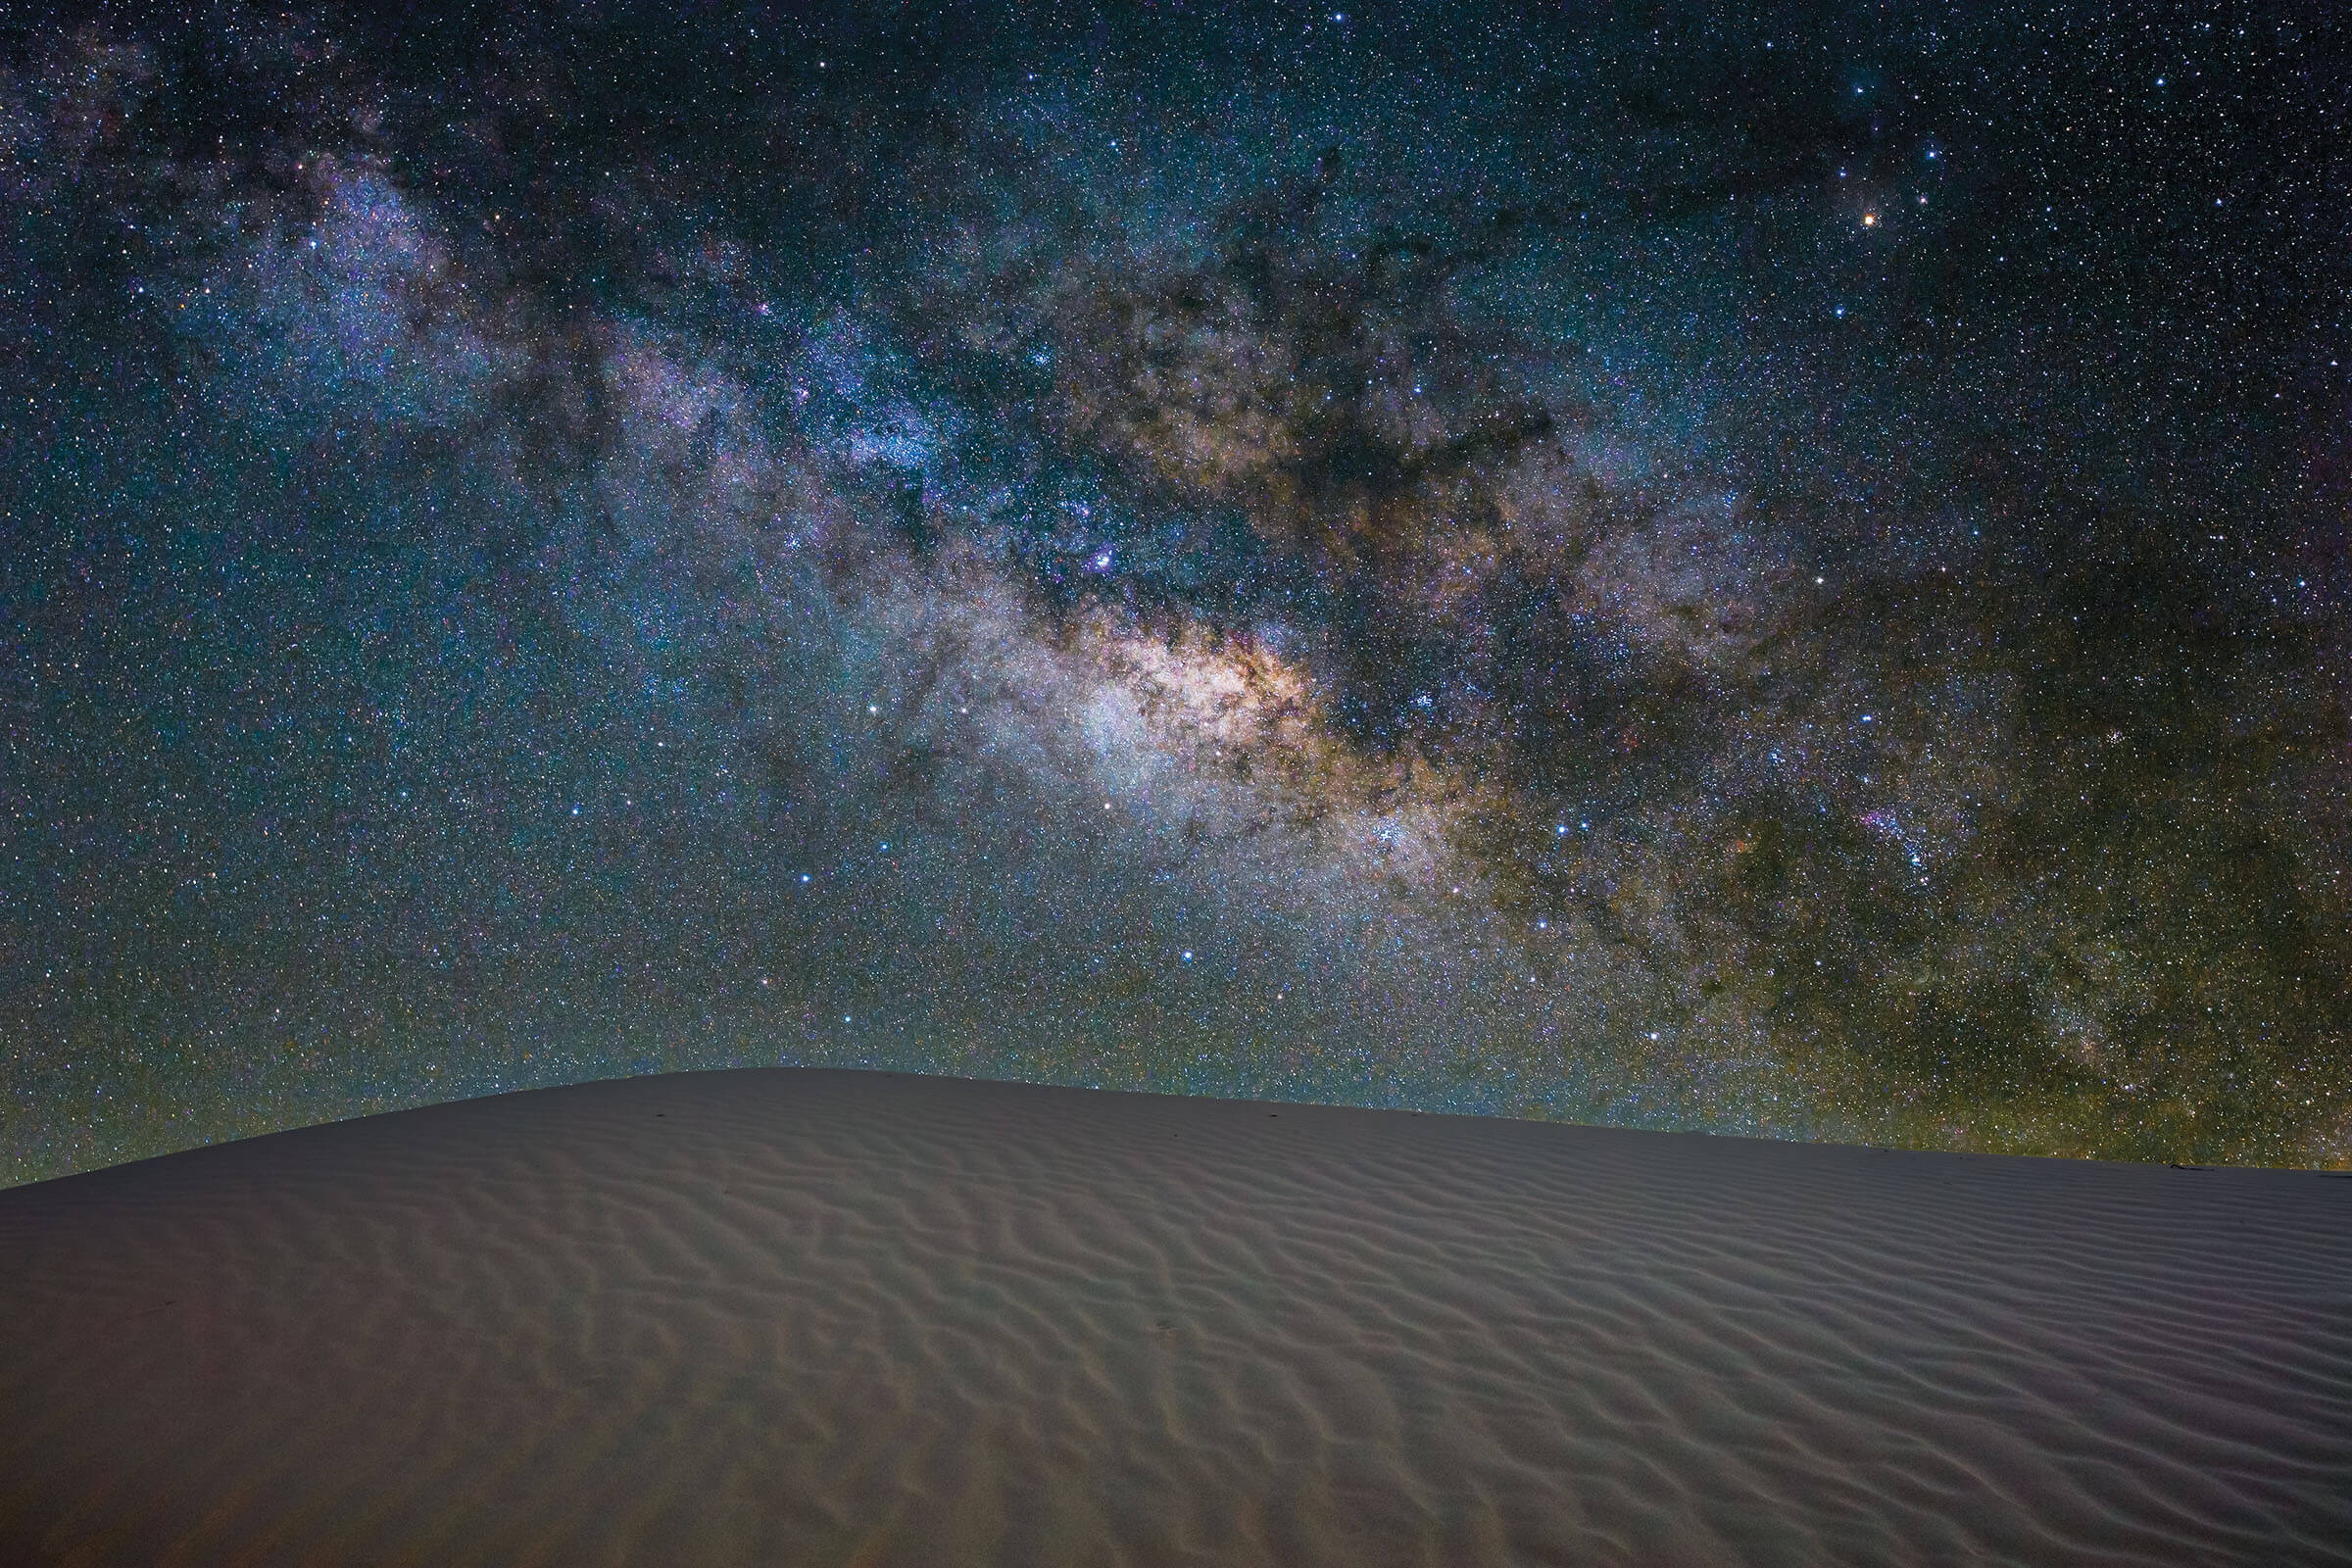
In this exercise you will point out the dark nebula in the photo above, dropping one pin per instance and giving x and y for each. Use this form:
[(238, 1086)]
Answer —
[(1771, 571)]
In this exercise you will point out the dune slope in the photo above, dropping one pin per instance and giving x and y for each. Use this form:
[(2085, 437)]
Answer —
[(825, 1317)]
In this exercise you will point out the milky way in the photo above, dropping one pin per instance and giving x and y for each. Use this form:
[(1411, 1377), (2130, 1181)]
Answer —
[(1773, 573)]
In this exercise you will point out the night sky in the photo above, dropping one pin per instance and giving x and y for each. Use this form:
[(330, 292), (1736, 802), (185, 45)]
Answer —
[(1778, 570)]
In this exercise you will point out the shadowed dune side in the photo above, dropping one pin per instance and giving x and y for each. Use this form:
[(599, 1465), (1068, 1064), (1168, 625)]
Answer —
[(828, 1317)]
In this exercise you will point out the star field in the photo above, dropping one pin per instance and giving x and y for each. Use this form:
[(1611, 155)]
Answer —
[(1775, 572)]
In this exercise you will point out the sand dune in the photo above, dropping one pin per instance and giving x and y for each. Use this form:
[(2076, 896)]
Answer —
[(815, 1317)]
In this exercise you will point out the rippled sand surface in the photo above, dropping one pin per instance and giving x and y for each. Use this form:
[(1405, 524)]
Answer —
[(798, 1318)]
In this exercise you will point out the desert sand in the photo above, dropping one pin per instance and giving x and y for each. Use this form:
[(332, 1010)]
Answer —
[(802, 1317)]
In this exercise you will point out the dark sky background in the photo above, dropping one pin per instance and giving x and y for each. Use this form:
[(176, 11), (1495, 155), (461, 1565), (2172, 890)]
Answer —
[(1779, 571)]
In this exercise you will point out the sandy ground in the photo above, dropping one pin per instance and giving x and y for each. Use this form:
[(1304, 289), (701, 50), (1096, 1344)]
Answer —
[(800, 1317)]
